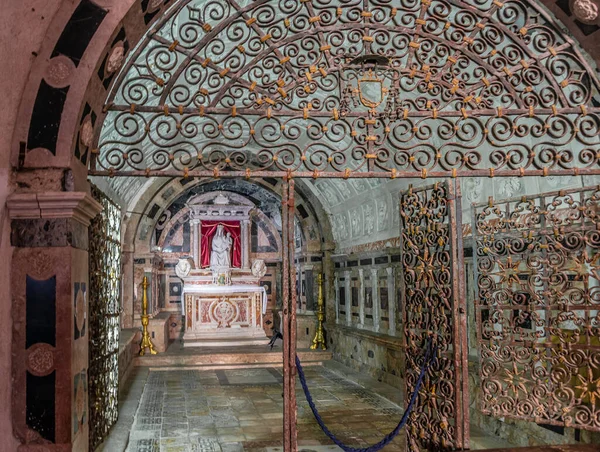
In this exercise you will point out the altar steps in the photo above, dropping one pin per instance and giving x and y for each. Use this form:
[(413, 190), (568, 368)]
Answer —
[(225, 357), (227, 342)]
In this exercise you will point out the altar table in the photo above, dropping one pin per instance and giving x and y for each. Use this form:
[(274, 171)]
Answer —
[(223, 315)]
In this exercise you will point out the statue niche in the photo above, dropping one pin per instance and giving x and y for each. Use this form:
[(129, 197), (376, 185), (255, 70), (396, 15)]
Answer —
[(220, 245)]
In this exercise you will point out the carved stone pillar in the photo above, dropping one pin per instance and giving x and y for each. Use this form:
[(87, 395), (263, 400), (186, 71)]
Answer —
[(50, 342), (195, 227), (245, 244), (309, 288), (128, 285), (375, 298), (361, 298), (348, 298), (391, 286)]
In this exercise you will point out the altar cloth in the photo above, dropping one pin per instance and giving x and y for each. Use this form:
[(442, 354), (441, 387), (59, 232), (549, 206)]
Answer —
[(211, 289)]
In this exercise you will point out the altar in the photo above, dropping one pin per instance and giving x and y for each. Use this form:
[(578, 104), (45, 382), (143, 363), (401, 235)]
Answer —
[(230, 315), (223, 302)]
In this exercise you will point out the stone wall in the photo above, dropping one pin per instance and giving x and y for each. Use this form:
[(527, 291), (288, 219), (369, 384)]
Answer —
[(377, 355), (129, 347), (364, 332)]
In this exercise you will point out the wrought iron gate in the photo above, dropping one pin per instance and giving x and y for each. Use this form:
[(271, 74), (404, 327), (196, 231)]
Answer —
[(104, 307), (289, 319), (538, 307), (434, 306)]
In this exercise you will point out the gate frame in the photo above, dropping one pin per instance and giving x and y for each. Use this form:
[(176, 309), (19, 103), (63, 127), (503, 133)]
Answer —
[(290, 411), (460, 350)]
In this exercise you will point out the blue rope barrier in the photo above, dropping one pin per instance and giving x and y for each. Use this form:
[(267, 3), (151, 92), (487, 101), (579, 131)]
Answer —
[(429, 358)]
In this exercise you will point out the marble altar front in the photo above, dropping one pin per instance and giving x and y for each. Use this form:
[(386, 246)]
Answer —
[(229, 315)]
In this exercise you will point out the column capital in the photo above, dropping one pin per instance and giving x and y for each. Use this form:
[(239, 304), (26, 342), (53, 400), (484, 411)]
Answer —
[(79, 206), (389, 270), (374, 272)]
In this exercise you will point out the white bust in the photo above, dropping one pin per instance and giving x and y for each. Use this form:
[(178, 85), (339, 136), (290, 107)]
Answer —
[(259, 268), (220, 256), (183, 267)]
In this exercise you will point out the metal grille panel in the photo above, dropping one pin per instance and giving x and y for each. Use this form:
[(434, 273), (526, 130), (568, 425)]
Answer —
[(538, 317), (104, 309), (456, 90), (432, 287)]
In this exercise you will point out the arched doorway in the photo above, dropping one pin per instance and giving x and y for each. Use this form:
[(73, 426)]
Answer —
[(450, 90)]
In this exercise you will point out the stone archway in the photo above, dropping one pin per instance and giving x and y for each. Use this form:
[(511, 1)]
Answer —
[(71, 146)]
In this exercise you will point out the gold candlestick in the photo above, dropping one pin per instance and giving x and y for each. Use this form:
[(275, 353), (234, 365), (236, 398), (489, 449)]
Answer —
[(146, 342), (319, 337)]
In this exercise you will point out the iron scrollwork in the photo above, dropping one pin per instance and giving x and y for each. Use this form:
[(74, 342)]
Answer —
[(431, 288), (104, 312), (538, 307), (473, 88)]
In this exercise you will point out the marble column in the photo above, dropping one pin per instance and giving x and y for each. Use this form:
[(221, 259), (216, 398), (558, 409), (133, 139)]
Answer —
[(361, 298), (245, 244), (329, 289), (309, 289), (50, 299), (127, 286), (375, 297), (348, 298), (391, 286), (150, 295), (195, 227), (336, 286)]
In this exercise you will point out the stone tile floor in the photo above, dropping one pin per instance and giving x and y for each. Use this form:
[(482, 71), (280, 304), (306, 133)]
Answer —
[(242, 410)]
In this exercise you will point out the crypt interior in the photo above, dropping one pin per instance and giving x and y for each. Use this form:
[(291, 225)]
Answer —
[(300, 225)]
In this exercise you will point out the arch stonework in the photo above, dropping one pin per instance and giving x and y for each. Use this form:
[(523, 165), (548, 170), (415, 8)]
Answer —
[(60, 167)]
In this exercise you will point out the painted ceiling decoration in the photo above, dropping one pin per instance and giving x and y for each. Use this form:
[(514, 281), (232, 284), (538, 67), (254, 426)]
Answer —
[(398, 87)]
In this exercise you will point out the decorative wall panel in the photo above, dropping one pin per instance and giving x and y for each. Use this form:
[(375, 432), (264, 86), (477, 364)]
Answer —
[(433, 294), (104, 310), (538, 307)]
